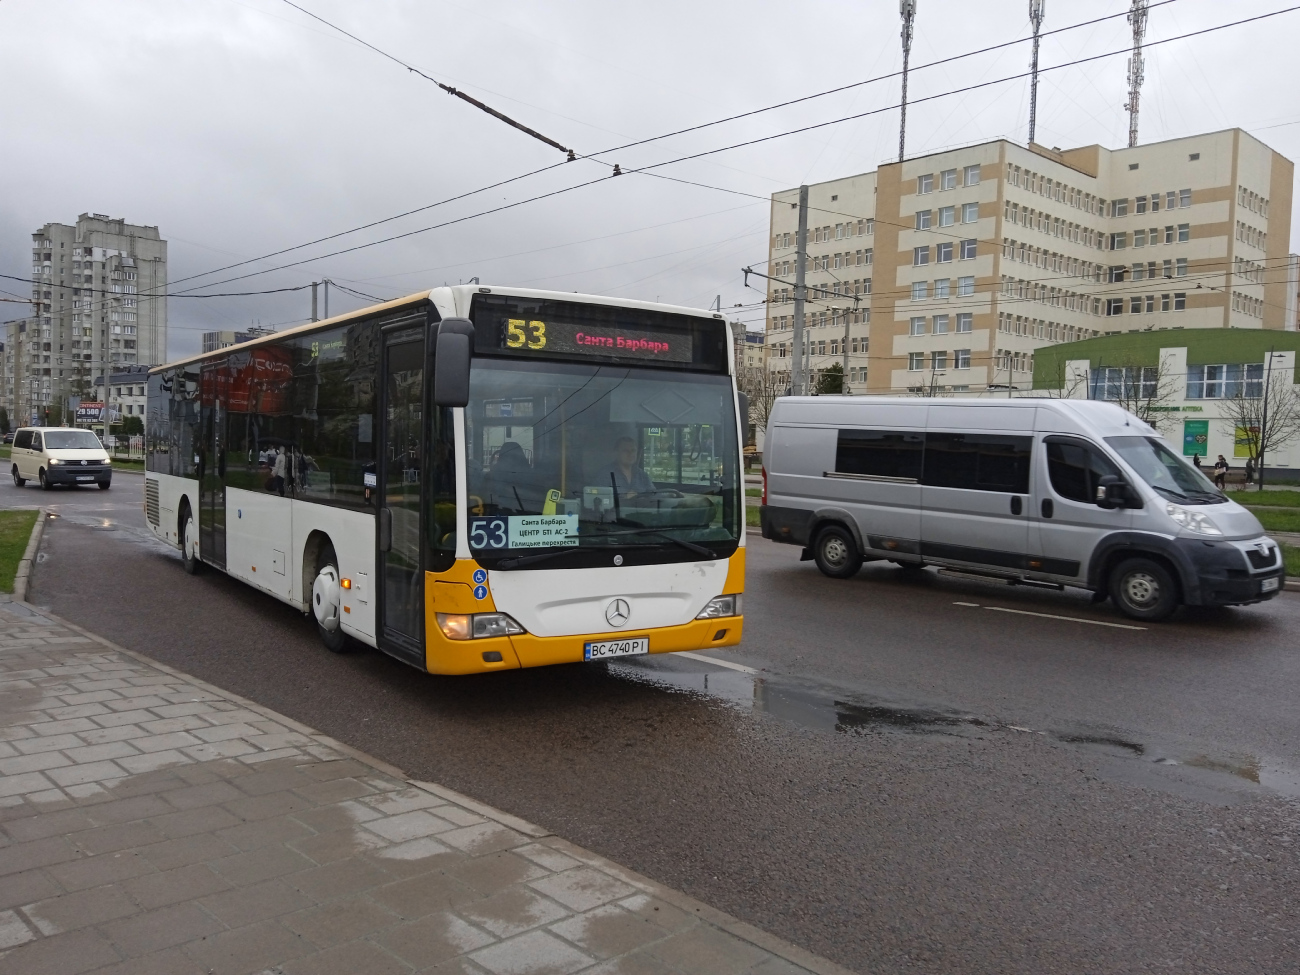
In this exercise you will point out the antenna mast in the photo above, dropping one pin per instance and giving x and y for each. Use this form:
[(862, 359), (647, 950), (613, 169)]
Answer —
[(1137, 17), (906, 10), (1036, 18)]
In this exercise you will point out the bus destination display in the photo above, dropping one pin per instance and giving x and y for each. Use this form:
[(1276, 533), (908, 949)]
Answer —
[(570, 338)]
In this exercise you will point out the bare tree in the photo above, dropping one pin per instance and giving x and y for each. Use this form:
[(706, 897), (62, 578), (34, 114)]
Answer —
[(1144, 391), (1266, 421), (1069, 385), (762, 385)]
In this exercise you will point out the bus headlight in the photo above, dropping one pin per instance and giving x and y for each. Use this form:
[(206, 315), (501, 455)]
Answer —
[(495, 624), (464, 626), (722, 606)]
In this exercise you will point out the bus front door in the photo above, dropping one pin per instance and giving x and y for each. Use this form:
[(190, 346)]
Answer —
[(401, 470), (212, 473)]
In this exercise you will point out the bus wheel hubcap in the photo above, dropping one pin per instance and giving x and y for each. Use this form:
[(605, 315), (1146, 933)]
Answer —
[(325, 598), (191, 542), (1142, 589)]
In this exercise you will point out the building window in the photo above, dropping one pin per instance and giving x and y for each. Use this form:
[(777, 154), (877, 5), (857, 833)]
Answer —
[(1118, 241), (1119, 208), (920, 290), (1115, 274), (871, 226), (971, 175), (947, 216), (965, 286), (1140, 205), (965, 321), (920, 256), (917, 326), (915, 361), (941, 286), (962, 358), (1140, 238), (925, 184), (1180, 267), (970, 212), (1114, 306), (967, 249), (1184, 198), (940, 324), (1180, 302), (948, 179), (939, 360), (1226, 381), (1184, 232), (1135, 305), (923, 218)]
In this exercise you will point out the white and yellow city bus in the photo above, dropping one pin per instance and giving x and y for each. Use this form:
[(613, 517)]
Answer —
[(470, 479)]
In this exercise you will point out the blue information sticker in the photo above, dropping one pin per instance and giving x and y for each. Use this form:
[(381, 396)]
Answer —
[(480, 576), (480, 592)]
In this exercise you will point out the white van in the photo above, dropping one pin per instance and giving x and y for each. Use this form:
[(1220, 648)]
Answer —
[(59, 455), (1057, 492)]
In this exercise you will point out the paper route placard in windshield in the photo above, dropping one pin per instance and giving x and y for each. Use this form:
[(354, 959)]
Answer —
[(571, 338), (523, 531)]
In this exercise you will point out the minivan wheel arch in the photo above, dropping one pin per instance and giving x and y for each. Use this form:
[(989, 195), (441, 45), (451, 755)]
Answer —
[(1118, 556), (1119, 546), (835, 516)]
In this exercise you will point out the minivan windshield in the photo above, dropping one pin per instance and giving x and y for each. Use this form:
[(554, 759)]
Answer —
[(1168, 474), (71, 440)]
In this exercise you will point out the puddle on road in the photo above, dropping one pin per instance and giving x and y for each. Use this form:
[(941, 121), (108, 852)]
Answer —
[(822, 709)]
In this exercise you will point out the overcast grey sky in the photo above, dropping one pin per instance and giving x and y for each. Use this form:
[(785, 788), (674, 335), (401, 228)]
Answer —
[(239, 127)]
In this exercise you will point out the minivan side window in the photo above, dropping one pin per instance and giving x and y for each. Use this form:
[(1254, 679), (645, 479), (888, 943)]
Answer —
[(1074, 469), (978, 462), (880, 453), (23, 440), (36, 440)]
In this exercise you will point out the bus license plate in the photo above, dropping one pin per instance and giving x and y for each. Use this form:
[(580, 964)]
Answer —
[(1268, 585), (604, 649)]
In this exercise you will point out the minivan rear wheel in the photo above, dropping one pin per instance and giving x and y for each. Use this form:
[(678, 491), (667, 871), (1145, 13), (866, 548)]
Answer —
[(1143, 589), (19, 481), (836, 552)]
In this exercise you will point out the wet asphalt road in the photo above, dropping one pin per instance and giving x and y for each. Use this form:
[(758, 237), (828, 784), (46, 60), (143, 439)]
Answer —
[(907, 782)]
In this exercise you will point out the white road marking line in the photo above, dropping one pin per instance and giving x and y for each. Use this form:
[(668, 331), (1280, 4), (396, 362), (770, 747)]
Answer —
[(1071, 619), (976, 605), (714, 660)]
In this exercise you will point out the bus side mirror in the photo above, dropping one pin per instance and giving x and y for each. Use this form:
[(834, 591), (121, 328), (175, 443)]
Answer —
[(453, 349)]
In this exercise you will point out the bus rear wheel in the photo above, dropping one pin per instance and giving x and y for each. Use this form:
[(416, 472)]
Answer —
[(326, 604), (189, 542)]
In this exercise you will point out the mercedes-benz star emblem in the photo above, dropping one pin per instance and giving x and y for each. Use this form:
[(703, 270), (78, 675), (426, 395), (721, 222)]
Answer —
[(617, 612)]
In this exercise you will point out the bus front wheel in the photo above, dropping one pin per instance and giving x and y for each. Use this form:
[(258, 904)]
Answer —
[(326, 600), (190, 543)]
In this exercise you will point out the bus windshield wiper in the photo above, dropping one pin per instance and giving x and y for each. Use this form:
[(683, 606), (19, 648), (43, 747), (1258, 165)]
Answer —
[(521, 560), (663, 533)]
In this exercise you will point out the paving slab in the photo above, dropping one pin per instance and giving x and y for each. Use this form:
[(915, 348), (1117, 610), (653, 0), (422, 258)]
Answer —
[(187, 829)]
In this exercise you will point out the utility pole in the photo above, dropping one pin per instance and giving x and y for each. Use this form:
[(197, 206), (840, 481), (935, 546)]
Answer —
[(907, 10), (327, 297), (1035, 18), (1263, 422), (314, 316), (801, 263), (1137, 17), (844, 352)]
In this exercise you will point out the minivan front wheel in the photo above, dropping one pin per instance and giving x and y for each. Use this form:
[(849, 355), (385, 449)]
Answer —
[(45, 481), (836, 553), (1143, 589)]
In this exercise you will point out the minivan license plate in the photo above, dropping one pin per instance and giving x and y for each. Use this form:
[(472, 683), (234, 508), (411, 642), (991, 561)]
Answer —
[(604, 649), (86, 477), (1268, 585)]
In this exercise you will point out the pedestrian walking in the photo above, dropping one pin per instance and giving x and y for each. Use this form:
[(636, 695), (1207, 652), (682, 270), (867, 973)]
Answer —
[(1196, 461), (1220, 472), (1250, 472)]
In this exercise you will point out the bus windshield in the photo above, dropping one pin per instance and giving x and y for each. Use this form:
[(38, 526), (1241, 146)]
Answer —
[(571, 461)]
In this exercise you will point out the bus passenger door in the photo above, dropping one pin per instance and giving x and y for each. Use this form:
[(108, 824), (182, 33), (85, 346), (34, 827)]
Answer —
[(211, 451), (401, 473)]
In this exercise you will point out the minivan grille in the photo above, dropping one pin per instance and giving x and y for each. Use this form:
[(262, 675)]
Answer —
[(151, 501), (1262, 560)]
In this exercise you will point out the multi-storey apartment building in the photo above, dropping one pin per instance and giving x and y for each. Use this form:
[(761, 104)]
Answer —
[(98, 304), (946, 272)]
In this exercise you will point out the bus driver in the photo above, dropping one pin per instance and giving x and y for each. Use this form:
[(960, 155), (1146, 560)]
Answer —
[(629, 478)]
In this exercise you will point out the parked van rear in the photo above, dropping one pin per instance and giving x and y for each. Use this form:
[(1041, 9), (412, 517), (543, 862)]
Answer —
[(59, 455), (1061, 492)]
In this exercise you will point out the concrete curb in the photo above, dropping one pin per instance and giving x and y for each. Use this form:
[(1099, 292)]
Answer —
[(29, 557), (737, 928)]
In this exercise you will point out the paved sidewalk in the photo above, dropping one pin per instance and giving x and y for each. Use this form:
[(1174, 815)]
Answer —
[(151, 823)]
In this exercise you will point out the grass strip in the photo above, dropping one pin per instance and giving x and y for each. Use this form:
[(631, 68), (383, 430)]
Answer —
[(751, 516), (1275, 520), (1291, 556), (15, 532)]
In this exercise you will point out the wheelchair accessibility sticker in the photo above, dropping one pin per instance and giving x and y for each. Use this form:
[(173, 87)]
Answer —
[(480, 576)]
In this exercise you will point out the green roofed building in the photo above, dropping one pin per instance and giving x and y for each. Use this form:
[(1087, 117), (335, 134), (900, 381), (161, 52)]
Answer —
[(1205, 389)]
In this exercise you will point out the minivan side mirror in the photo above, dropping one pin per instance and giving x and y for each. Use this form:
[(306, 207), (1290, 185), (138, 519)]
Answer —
[(453, 349), (1113, 492)]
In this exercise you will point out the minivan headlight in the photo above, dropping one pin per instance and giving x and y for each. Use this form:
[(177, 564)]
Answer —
[(1193, 521), (55, 460), (722, 606)]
